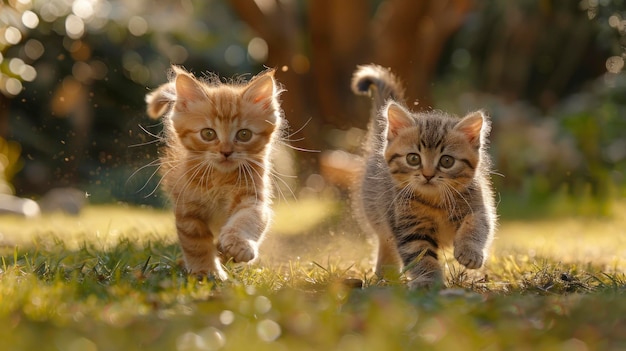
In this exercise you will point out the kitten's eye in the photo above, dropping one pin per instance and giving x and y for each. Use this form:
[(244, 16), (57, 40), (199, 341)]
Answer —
[(446, 161), (208, 134), (413, 159), (244, 135)]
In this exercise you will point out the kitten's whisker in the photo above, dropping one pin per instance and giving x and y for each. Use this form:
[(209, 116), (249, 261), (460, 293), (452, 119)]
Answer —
[(298, 148), (148, 180), (249, 170), (290, 134), (145, 143), (194, 173), (497, 173), (154, 163), (156, 187), (276, 178), (462, 197), (156, 136)]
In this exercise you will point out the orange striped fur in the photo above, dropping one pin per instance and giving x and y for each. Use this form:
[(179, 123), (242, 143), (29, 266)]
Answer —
[(425, 185), (215, 164)]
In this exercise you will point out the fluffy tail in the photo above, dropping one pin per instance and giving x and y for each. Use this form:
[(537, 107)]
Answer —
[(382, 86), (378, 83)]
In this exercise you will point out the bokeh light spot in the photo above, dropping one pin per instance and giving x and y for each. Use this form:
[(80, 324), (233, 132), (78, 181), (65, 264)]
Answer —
[(209, 339), (82, 9), (74, 26), (12, 35), (137, 26), (258, 49), (234, 55), (16, 66), (614, 64), (81, 71), (300, 64), (461, 58), (268, 330), (33, 48), (30, 19), (178, 54), (29, 73), (227, 317), (13, 86), (262, 304)]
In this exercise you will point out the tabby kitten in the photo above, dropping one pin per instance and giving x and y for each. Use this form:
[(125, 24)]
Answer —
[(215, 164), (425, 184)]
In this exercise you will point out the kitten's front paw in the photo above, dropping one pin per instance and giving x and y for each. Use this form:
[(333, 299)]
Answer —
[(469, 256), (426, 283), (240, 250), (213, 272)]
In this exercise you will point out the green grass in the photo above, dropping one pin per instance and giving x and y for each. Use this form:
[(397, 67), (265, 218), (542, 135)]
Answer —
[(112, 279)]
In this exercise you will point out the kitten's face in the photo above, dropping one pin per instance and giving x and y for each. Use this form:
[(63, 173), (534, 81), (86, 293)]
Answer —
[(225, 126), (434, 156)]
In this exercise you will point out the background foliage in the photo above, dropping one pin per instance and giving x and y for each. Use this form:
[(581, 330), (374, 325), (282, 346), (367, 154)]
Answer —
[(550, 74)]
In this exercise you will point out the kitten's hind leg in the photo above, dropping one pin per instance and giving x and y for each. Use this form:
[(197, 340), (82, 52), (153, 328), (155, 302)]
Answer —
[(387, 262), (241, 235), (199, 251)]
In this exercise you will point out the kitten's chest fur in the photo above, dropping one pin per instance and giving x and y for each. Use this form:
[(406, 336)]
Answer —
[(440, 220), (211, 195)]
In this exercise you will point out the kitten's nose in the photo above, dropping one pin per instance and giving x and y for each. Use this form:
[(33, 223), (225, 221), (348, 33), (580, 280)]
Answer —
[(227, 153), (428, 177)]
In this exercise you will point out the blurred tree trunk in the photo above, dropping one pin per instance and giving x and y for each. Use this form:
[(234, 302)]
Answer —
[(407, 36), (336, 49), (278, 25)]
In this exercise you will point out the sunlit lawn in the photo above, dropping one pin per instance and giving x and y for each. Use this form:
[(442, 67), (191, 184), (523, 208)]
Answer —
[(111, 279)]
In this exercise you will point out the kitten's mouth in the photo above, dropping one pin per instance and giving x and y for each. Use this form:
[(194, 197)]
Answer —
[(227, 164)]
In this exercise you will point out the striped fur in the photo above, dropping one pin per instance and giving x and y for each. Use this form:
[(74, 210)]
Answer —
[(220, 187), (425, 184)]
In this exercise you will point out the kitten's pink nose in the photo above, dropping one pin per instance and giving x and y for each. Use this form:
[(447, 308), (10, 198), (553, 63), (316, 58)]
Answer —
[(428, 177)]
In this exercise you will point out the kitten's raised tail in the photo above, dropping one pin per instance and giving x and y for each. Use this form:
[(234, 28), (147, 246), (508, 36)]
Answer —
[(377, 82)]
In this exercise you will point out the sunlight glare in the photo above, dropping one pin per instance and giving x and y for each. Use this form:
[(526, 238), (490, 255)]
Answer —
[(83, 9)]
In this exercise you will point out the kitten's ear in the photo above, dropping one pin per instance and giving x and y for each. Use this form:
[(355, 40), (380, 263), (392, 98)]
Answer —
[(471, 126), (398, 117), (188, 89), (261, 89), (159, 100)]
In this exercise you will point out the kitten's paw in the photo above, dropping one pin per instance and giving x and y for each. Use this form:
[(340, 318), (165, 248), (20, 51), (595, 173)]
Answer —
[(240, 250), (469, 256)]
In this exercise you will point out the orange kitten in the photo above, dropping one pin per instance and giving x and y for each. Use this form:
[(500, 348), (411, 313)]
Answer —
[(215, 164)]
